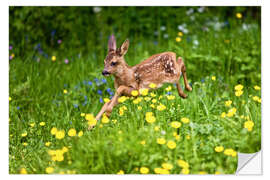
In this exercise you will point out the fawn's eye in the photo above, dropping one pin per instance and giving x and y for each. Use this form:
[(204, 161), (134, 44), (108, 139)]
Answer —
[(113, 63)]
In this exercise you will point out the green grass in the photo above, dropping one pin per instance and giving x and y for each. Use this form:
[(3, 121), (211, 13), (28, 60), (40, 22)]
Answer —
[(36, 91)]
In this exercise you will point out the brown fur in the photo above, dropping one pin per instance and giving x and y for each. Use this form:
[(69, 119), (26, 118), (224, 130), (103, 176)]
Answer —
[(158, 69)]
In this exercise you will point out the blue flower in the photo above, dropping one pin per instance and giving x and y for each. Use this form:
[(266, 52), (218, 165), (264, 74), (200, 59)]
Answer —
[(99, 92), (70, 122), (76, 105), (65, 85), (169, 93), (108, 90), (90, 83), (85, 98), (202, 80), (111, 93), (104, 80), (18, 107), (53, 32), (100, 100), (96, 80)]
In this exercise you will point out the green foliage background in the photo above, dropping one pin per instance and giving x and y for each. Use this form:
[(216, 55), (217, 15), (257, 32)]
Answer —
[(216, 43)]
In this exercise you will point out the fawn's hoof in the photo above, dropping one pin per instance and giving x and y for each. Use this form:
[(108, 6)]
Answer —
[(90, 127), (184, 96), (188, 88)]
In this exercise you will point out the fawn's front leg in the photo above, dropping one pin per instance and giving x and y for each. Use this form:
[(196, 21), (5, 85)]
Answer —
[(122, 90)]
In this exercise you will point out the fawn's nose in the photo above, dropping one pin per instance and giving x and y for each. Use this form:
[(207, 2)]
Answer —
[(105, 73)]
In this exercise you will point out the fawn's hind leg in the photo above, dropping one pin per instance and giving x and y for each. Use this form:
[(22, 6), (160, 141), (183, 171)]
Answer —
[(180, 91), (187, 86), (183, 70)]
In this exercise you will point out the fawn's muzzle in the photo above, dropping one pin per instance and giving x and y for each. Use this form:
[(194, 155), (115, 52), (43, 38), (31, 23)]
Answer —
[(105, 73)]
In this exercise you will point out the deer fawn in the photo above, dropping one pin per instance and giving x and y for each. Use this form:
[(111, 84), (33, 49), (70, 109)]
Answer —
[(158, 69)]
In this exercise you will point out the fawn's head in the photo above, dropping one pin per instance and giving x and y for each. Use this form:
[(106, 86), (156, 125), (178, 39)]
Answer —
[(114, 61)]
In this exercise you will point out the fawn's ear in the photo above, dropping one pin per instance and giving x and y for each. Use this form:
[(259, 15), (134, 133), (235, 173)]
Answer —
[(112, 43), (124, 47)]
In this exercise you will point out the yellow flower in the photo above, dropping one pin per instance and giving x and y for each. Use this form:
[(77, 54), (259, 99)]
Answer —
[(164, 171), (239, 15), (105, 119), (161, 141), (53, 58), (60, 134), (167, 166), (161, 107), (89, 117), (32, 124), (228, 103), (182, 163), (170, 97), (176, 124), (185, 171), (121, 172), (231, 112), (144, 170), (9, 98), (121, 112), (47, 144), (24, 134), (152, 85), (64, 149), (143, 91), (178, 39), (187, 137), (25, 144), (238, 93), (185, 120), (255, 98), (82, 114), (23, 171), (154, 100), (168, 88), (152, 94), (139, 108), (106, 100), (158, 170), (142, 142), (122, 99), (42, 123), (230, 152), (49, 170), (150, 119), (219, 148), (92, 122), (171, 144), (53, 130), (65, 91), (259, 100), (134, 93), (257, 88), (152, 106), (147, 98), (239, 87), (80, 133), (180, 34), (213, 78), (217, 172), (223, 115), (249, 125), (72, 132), (177, 137), (202, 172), (114, 121), (156, 128)]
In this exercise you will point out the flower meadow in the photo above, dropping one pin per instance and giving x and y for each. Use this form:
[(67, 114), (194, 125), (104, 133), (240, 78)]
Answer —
[(55, 92)]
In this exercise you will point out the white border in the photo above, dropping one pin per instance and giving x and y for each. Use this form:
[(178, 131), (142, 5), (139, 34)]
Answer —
[(4, 71)]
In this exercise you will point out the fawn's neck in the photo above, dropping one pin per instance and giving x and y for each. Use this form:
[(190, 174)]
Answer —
[(124, 74)]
